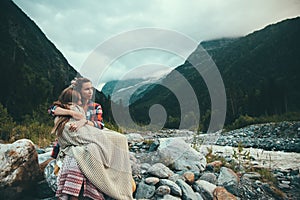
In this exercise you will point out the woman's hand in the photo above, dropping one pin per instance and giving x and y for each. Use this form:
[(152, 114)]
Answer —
[(75, 126)]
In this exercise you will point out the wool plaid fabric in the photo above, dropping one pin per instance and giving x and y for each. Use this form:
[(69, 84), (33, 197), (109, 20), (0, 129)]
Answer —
[(71, 180), (94, 113), (102, 156)]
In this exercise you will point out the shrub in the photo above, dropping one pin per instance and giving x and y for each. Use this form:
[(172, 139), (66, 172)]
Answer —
[(6, 124), (37, 132)]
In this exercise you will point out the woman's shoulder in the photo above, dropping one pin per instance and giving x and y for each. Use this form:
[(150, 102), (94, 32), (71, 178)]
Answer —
[(93, 104)]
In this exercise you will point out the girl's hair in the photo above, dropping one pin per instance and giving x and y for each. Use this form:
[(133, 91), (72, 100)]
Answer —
[(65, 99), (69, 95)]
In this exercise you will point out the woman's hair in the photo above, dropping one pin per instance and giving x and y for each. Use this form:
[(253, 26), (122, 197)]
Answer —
[(65, 99), (78, 82)]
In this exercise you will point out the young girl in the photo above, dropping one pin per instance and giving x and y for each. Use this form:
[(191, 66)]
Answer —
[(97, 159)]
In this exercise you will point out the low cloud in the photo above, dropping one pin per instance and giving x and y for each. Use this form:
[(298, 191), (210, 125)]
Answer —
[(78, 27)]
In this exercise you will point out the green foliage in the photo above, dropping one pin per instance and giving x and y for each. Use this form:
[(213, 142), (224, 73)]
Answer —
[(210, 157), (242, 121), (38, 133), (266, 175), (245, 120), (242, 156), (197, 141), (40, 114), (114, 127), (6, 124), (243, 162)]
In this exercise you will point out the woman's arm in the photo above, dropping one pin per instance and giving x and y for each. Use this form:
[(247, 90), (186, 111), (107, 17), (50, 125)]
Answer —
[(94, 114)]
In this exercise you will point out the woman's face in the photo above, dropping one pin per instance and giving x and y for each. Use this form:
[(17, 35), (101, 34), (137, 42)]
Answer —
[(87, 90)]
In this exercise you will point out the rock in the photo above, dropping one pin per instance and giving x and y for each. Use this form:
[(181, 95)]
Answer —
[(144, 191), (252, 175), (228, 179), (189, 177), (151, 180), (275, 192), (175, 177), (50, 177), (209, 168), (135, 166), (43, 191), (187, 191), (40, 151), (175, 189), (209, 177), (44, 157), (205, 188), (154, 146), (216, 163), (281, 136), (20, 170), (134, 137), (160, 170), (144, 167), (178, 154), (163, 190), (220, 193), (44, 165), (168, 197), (198, 196)]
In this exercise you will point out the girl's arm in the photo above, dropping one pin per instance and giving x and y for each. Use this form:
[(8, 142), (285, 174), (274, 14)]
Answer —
[(56, 111)]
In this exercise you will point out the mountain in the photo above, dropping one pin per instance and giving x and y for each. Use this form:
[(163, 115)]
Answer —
[(128, 91), (260, 71), (33, 70)]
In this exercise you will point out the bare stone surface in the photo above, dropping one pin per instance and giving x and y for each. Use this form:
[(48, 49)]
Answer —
[(19, 168)]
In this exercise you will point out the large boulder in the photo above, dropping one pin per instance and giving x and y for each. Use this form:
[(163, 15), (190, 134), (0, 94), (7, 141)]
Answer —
[(19, 169), (180, 156)]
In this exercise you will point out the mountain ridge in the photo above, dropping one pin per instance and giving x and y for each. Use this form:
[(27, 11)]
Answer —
[(247, 65), (34, 71)]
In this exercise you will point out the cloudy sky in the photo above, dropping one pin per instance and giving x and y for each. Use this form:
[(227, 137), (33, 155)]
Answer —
[(78, 27)]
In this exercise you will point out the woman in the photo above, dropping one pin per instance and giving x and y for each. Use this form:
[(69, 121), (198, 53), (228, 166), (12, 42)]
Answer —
[(101, 155)]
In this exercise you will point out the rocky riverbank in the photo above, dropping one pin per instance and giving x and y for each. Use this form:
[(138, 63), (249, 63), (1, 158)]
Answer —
[(282, 136), (268, 172), (180, 164)]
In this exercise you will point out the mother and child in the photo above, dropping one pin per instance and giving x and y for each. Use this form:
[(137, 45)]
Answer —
[(96, 162)]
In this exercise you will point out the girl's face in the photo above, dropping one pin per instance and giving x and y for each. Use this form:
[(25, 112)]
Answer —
[(87, 90)]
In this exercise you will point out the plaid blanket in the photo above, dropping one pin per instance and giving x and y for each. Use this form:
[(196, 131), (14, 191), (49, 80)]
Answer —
[(71, 181), (102, 156)]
